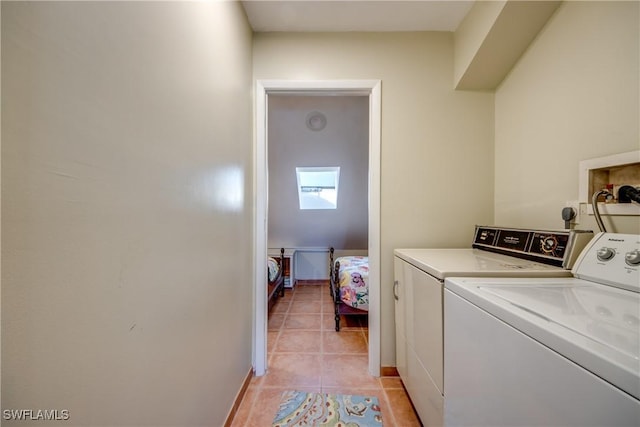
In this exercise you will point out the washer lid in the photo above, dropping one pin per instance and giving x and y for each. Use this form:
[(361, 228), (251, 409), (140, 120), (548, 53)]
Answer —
[(442, 263), (596, 326)]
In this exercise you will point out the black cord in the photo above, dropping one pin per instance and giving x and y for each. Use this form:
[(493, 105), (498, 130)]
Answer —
[(627, 193)]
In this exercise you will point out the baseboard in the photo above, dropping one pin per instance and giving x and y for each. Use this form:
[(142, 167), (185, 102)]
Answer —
[(238, 399), (389, 371)]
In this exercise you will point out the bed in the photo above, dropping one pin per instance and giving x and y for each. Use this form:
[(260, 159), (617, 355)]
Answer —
[(349, 285), (275, 278)]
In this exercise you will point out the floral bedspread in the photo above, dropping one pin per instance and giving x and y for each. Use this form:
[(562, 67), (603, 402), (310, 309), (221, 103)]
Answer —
[(273, 266), (354, 281)]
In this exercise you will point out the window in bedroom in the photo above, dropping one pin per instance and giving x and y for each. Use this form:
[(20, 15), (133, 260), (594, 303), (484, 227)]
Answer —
[(318, 187)]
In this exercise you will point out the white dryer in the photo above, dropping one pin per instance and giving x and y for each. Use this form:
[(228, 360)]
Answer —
[(547, 351)]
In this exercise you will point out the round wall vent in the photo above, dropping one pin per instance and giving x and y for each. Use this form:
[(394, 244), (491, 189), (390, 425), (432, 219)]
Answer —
[(316, 120)]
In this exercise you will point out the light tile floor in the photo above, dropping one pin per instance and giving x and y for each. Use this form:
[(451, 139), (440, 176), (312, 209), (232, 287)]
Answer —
[(304, 352)]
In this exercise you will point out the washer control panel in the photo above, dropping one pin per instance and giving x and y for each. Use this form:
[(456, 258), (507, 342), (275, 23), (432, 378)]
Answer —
[(612, 259)]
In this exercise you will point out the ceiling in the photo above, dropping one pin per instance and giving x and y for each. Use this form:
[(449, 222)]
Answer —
[(355, 15)]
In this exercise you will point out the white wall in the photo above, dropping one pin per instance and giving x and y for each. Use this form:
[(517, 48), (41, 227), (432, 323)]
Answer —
[(437, 144), (344, 142), (126, 209), (573, 96)]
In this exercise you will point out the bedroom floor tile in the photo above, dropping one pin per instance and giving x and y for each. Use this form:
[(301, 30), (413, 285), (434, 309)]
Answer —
[(272, 337), (347, 323), (288, 296), (281, 306), (328, 306), (293, 370), (310, 284), (275, 322), (344, 342), (294, 341), (308, 289), (328, 323), (307, 296), (303, 321), (347, 370), (305, 307)]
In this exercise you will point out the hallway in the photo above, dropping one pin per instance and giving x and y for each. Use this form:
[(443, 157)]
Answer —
[(306, 353)]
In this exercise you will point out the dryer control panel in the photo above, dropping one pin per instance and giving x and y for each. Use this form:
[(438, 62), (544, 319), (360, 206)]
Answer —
[(611, 259), (554, 247)]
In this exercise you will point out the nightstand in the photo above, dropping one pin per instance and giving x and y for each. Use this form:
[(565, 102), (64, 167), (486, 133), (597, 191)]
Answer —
[(289, 268)]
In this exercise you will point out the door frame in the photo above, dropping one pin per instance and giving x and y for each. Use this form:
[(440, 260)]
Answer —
[(372, 89)]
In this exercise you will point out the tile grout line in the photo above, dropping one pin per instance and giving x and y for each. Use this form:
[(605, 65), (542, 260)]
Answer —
[(388, 405)]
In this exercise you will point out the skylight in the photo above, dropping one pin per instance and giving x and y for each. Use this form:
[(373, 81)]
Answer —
[(318, 187)]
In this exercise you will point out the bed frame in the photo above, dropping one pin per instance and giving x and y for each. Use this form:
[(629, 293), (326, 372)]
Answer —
[(275, 288), (340, 308)]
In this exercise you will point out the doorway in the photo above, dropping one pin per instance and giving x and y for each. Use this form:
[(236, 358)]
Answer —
[(372, 89)]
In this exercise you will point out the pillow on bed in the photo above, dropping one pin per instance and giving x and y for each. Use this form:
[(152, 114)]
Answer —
[(352, 261), (273, 266), (354, 281)]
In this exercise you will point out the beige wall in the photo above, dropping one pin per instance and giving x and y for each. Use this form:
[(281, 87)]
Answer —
[(126, 209), (344, 142), (573, 96), (437, 152)]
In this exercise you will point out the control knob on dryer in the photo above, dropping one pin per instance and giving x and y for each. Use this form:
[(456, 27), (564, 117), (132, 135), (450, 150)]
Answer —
[(605, 254), (632, 258), (549, 244)]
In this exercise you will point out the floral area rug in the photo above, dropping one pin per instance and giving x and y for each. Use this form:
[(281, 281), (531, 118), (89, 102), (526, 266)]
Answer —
[(299, 408)]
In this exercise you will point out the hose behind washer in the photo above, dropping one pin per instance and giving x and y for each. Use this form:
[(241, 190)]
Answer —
[(596, 211)]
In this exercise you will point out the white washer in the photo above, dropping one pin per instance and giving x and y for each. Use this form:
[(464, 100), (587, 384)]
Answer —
[(547, 352), (419, 289)]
